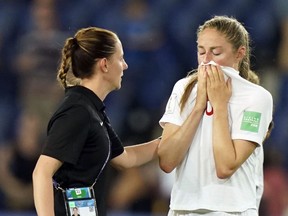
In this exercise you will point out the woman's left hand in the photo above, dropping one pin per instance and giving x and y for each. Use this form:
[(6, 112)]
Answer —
[(219, 91)]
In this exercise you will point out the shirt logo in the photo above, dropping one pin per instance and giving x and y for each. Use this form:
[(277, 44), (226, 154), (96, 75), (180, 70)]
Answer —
[(250, 121), (209, 109), (101, 123)]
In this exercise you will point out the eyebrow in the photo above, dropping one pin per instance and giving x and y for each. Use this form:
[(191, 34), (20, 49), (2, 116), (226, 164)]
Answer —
[(211, 48)]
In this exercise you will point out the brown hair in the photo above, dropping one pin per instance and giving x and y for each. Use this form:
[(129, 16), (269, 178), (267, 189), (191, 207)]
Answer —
[(237, 35), (80, 53)]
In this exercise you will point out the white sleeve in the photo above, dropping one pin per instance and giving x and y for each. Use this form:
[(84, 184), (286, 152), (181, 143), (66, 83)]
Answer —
[(254, 119), (172, 112)]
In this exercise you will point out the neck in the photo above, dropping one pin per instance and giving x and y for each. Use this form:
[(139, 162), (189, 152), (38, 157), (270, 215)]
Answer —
[(97, 87)]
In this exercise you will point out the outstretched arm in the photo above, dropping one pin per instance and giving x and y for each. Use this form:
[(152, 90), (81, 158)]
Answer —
[(136, 155)]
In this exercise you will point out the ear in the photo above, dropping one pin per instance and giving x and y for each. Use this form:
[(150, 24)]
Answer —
[(103, 65), (241, 53)]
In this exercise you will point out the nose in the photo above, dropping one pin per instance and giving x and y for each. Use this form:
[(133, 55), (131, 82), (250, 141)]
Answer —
[(207, 57), (125, 65)]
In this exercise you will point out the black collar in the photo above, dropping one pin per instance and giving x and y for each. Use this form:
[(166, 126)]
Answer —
[(97, 102)]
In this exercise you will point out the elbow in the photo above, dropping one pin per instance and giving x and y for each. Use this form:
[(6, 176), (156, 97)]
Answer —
[(166, 167), (166, 163), (224, 173)]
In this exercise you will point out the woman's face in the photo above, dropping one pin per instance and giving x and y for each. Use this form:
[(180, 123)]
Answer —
[(116, 66), (75, 211), (213, 46)]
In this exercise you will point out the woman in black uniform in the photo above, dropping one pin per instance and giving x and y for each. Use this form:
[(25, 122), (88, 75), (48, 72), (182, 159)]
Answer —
[(80, 139)]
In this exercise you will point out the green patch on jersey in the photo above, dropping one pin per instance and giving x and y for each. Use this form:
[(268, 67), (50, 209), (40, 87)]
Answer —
[(251, 121)]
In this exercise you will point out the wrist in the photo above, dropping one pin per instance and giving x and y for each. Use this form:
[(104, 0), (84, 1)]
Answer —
[(220, 111), (220, 107)]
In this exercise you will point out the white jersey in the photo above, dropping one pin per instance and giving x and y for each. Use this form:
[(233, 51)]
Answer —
[(196, 184)]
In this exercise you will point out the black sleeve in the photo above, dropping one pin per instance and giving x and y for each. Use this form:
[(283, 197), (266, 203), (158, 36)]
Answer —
[(116, 144), (67, 133)]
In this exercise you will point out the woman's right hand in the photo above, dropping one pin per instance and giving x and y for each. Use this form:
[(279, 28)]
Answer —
[(201, 98)]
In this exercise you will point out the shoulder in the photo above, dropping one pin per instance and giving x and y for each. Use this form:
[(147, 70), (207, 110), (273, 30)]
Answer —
[(183, 81), (76, 101), (253, 93), (261, 94), (73, 113), (72, 105), (71, 110), (181, 84)]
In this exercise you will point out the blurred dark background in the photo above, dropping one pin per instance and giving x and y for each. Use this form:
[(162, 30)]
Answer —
[(159, 40)]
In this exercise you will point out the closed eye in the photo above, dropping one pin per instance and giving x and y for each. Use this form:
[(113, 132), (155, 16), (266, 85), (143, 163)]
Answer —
[(216, 54)]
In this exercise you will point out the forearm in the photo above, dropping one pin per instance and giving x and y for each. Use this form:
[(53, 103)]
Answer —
[(223, 147), (43, 195), (136, 155), (142, 153), (175, 144)]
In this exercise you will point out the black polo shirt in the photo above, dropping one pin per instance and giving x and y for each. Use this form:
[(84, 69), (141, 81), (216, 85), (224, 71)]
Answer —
[(81, 140)]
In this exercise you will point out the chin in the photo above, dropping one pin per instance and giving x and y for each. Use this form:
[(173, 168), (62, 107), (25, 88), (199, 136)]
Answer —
[(117, 87)]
